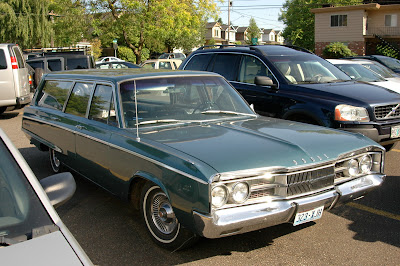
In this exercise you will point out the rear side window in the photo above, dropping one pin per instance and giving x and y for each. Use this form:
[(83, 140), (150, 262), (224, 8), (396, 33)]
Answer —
[(102, 107), (199, 62), (54, 65), (54, 94), (19, 57), (79, 99), (226, 65), (36, 64), (77, 63), (3, 62)]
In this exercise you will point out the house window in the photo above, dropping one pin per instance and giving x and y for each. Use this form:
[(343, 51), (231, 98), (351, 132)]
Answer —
[(338, 20), (391, 20), (216, 33)]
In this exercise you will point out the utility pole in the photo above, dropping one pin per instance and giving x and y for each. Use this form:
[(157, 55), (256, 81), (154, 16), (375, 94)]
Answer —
[(229, 20)]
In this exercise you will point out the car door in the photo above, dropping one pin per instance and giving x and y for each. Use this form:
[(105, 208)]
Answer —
[(56, 128), (93, 136), (75, 118), (265, 99)]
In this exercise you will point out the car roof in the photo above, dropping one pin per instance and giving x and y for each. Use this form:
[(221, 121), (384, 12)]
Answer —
[(117, 75), (263, 49), (349, 61)]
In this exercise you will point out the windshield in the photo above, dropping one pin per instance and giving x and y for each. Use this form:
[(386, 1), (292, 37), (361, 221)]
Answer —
[(307, 68), (380, 69), (181, 100), (20, 209), (359, 72), (391, 63)]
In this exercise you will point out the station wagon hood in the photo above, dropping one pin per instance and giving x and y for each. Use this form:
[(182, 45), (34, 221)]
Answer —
[(49, 249), (258, 143), (359, 91)]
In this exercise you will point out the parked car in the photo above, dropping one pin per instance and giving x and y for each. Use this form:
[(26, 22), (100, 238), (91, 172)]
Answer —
[(31, 232), (378, 68), (292, 84), (187, 151), (14, 78), (180, 56), (116, 65), (59, 62), (357, 71), (107, 59), (161, 64), (390, 62)]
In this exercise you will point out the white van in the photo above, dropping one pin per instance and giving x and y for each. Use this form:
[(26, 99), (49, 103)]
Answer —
[(14, 78)]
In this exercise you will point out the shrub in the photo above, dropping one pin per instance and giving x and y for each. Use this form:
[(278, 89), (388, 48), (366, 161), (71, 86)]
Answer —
[(387, 50), (125, 53), (337, 50)]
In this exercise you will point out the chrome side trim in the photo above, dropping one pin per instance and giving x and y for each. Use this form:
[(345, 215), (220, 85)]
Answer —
[(121, 149)]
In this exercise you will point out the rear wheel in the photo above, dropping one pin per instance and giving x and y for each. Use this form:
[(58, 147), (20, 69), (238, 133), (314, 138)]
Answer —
[(161, 222), (55, 162)]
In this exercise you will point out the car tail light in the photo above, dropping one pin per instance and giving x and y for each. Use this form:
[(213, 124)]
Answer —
[(14, 64), (30, 80)]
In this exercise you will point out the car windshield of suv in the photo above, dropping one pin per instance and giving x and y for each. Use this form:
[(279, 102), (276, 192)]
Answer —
[(391, 63), (380, 70), (359, 73), (20, 209), (307, 68), (181, 100)]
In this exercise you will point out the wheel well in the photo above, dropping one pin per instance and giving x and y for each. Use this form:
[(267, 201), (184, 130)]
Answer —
[(135, 191)]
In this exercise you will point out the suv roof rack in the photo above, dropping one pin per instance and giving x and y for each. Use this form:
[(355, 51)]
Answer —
[(221, 46)]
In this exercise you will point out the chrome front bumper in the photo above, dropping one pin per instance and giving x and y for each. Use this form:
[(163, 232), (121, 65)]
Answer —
[(253, 217)]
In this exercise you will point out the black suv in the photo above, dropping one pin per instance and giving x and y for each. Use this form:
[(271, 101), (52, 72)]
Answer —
[(294, 84)]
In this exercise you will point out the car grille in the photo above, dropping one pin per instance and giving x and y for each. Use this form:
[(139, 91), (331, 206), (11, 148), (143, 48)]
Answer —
[(387, 111), (303, 182)]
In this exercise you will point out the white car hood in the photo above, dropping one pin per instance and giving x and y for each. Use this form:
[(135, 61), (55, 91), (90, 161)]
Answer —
[(388, 84), (50, 249)]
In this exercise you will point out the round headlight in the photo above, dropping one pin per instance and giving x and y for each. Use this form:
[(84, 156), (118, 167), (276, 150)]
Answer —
[(219, 196), (352, 167), (240, 192), (366, 164)]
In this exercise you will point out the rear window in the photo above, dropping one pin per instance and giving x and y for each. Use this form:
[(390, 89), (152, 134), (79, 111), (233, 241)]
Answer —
[(77, 63), (199, 62), (3, 62), (54, 94), (19, 57)]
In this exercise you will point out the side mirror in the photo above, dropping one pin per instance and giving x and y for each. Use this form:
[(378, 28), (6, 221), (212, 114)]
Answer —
[(264, 81), (59, 188)]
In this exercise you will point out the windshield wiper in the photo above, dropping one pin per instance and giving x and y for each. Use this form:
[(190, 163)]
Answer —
[(161, 121), (226, 112)]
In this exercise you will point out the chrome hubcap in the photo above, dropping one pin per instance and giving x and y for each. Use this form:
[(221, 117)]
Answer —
[(162, 214)]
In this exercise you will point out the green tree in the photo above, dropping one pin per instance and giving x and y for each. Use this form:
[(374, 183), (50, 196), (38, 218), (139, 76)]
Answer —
[(337, 50), (299, 21), (252, 31), (153, 24), (25, 22), (69, 22)]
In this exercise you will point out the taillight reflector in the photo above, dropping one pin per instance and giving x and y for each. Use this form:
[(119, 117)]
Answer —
[(14, 64)]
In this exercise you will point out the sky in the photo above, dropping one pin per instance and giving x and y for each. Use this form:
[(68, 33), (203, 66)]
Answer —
[(265, 13)]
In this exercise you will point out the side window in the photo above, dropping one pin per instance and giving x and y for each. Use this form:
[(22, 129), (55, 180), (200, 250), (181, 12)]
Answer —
[(54, 94), (165, 65), (54, 65), (18, 55), (150, 65), (226, 65), (250, 68), (101, 103), (37, 64), (199, 62), (78, 101), (3, 62)]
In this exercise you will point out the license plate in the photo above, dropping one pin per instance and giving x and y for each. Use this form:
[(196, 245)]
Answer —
[(395, 132), (308, 216)]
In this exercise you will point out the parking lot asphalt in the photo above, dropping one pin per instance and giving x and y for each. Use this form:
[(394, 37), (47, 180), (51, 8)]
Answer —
[(363, 232)]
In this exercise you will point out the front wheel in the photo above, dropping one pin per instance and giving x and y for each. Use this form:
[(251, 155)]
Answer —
[(161, 222), (55, 162)]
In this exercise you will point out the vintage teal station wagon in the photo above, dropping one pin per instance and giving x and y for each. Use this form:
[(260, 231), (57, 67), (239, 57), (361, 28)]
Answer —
[(192, 156)]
